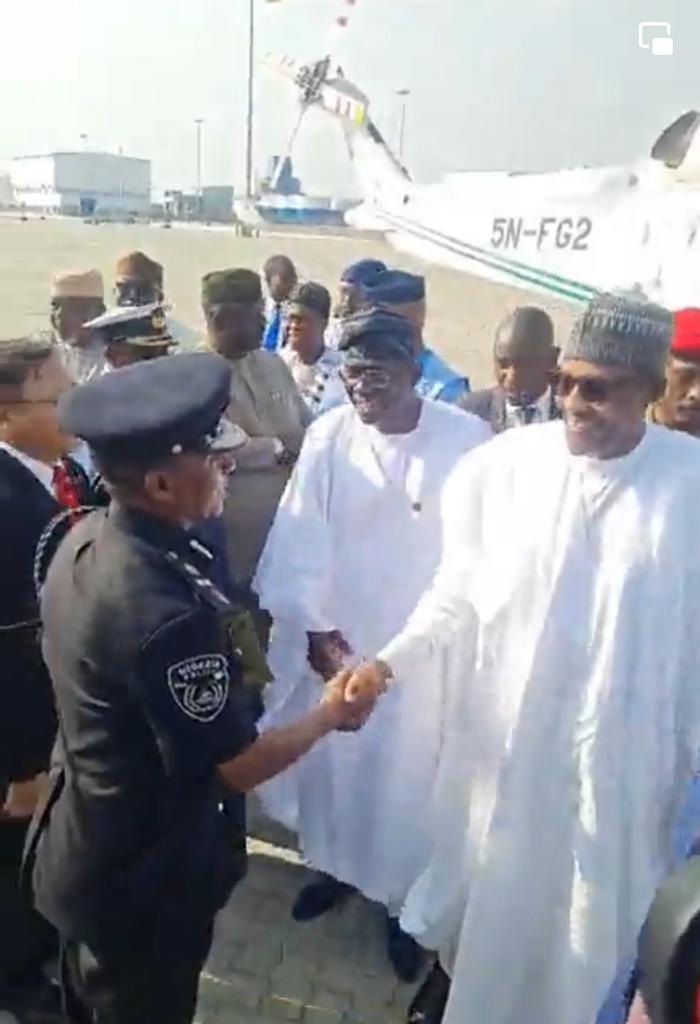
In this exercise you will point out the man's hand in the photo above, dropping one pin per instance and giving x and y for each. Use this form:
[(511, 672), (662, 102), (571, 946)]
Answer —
[(328, 653), (367, 682), (22, 797), (344, 716)]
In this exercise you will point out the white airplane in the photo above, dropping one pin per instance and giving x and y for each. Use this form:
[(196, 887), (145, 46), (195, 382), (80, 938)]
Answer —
[(631, 229)]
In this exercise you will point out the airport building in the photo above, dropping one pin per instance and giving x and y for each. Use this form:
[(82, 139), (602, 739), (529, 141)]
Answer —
[(83, 184)]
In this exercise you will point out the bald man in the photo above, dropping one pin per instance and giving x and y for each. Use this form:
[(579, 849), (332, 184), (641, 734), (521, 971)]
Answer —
[(525, 362)]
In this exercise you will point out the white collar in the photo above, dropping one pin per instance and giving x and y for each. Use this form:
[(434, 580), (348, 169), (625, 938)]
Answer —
[(42, 472), (543, 404)]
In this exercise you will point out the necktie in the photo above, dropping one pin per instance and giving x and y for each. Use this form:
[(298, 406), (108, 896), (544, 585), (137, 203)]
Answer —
[(272, 331), (64, 487), (527, 414)]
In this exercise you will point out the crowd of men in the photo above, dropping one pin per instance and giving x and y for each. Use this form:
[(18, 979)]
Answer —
[(449, 637)]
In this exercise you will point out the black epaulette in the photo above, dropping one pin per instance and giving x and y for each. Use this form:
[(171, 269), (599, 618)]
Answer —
[(237, 619), (201, 584)]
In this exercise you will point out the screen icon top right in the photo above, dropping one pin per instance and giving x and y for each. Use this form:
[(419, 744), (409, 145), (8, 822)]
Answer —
[(656, 37)]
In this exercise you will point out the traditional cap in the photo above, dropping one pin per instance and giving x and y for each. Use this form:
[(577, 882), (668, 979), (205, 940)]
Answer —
[(629, 334), (239, 286), (686, 334), (362, 272), (137, 325), (313, 296), (377, 334), (154, 409), (136, 266), (526, 327), (395, 288), (77, 285)]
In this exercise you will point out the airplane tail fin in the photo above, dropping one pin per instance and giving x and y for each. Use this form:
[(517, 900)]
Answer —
[(320, 85), (678, 147)]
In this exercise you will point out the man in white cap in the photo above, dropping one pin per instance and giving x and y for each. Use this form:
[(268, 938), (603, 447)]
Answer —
[(355, 543), (567, 606), (77, 298)]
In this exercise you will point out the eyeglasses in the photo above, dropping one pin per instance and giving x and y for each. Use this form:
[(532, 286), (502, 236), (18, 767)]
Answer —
[(373, 376), (595, 390)]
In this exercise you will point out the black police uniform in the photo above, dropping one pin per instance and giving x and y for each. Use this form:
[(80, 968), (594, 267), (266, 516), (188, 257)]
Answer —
[(135, 851)]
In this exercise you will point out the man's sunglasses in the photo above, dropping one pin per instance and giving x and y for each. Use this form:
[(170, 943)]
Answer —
[(595, 390), (373, 376)]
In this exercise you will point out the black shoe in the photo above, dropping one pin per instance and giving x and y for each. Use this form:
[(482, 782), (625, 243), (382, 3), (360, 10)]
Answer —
[(319, 897), (428, 1006), (407, 957)]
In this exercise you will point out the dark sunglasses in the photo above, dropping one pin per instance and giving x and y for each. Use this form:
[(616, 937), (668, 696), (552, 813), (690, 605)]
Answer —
[(595, 390)]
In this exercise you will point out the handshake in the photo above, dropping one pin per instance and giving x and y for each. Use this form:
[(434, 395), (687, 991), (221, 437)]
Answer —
[(350, 696), (350, 693)]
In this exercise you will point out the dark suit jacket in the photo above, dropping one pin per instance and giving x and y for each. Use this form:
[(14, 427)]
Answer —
[(490, 405), (27, 718)]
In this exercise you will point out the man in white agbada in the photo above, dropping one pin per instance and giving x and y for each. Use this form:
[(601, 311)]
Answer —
[(569, 595), (356, 542)]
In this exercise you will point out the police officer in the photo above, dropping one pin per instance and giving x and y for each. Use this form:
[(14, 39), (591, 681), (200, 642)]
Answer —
[(135, 854)]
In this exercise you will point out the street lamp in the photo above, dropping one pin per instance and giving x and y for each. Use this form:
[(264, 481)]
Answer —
[(249, 122), (198, 123), (403, 94)]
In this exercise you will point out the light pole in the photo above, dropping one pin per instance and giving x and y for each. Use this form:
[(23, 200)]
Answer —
[(249, 122), (198, 123), (403, 94)]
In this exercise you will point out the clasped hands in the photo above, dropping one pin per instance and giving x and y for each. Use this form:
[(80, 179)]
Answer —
[(353, 690)]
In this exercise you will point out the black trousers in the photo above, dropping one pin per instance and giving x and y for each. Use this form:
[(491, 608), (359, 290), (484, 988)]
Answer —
[(147, 985), (27, 941)]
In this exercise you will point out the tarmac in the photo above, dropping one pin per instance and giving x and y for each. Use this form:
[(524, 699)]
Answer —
[(265, 968)]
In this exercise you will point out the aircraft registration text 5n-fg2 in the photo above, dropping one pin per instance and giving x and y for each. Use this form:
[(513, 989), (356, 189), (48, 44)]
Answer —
[(571, 233)]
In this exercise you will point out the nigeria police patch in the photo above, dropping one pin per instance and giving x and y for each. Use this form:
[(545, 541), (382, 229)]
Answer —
[(200, 685)]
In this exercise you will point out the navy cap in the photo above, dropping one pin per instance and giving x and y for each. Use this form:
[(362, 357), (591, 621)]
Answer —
[(137, 325), (362, 272), (377, 334), (395, 287), (154, 409)]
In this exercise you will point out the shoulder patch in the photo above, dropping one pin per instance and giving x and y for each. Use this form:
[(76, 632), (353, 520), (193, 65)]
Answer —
[(200, 686)]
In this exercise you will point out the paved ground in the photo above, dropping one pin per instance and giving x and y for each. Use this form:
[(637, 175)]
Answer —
[(265, 968)]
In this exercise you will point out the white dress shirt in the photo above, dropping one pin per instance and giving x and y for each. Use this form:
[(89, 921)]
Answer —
[(541, 410), (42, 472)]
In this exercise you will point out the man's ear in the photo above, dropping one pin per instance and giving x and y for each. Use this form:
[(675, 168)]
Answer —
[(157, 484), (415, 374)]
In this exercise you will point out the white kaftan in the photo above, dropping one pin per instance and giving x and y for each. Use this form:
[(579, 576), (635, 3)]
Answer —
[(356, 541), (573, 715)]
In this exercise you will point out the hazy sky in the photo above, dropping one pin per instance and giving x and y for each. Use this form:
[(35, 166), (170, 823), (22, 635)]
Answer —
[(494, 83)]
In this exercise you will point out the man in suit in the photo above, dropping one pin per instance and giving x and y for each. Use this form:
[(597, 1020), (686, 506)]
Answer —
[(525, 362), (280, 280), (32, 377)]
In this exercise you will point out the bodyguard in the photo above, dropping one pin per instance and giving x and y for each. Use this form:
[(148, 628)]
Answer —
[(135, 855)]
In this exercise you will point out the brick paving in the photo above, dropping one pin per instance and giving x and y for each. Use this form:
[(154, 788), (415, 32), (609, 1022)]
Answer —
[(266, 968)]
